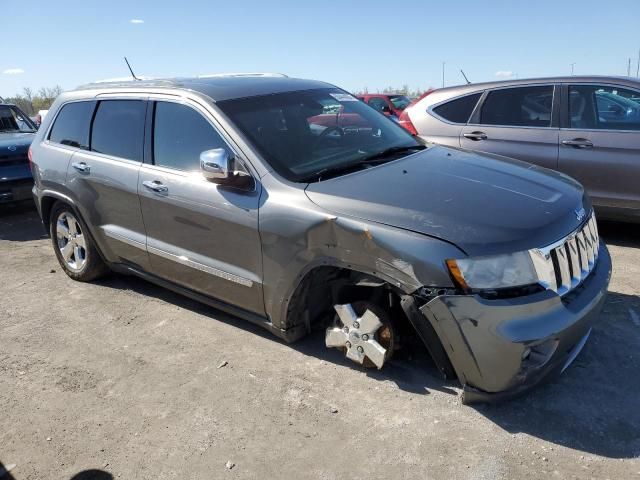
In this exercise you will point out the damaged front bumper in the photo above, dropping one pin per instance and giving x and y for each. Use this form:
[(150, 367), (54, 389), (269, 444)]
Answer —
[(501, 348)]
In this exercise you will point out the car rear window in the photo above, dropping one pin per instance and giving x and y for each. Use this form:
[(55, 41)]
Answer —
[(72, 124), (520, 107), (118, 129), (458, 110)]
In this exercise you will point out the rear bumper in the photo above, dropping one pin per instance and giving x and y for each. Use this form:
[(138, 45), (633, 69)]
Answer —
[(502, 348)]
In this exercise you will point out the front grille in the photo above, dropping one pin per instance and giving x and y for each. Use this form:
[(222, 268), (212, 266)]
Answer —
[(563, 266)]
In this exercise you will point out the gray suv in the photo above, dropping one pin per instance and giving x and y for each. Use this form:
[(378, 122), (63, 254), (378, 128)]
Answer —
[(586, 127), (291, 204)]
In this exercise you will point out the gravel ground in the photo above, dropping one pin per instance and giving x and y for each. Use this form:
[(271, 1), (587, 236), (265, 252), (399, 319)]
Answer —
[(134, 381)]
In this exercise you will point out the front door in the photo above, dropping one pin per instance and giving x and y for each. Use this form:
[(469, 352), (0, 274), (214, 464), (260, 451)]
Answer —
[(515, 122), (601, 145), (200, 235)]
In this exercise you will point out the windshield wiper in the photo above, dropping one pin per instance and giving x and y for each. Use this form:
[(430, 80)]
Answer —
[(391, 151), (379, 157)]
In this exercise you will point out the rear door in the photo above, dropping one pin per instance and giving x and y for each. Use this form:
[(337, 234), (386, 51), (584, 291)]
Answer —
[(518, 122), (201, 235), (103, 177), (600, 143)]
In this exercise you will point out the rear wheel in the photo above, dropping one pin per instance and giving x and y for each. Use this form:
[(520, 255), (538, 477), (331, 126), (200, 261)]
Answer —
[(74, 247)]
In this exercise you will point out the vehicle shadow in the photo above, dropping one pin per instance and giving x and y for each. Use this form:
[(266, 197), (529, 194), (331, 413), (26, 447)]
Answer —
[(412, 370), (93, 474), (619, 233), (19, 222), (593, 406)]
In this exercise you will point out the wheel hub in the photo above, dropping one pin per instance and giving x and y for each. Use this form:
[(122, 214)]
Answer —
[(70, 240), (358, 335)]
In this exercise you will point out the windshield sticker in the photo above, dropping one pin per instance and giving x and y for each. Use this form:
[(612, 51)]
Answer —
[(344, 97)]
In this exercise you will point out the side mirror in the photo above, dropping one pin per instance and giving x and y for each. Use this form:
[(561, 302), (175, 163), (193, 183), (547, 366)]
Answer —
[(386, 110), (217, 165)]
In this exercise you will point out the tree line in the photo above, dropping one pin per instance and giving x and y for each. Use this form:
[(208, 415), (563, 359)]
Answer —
[(31, 102)]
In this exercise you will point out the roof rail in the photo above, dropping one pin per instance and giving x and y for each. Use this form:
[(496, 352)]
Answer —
[(128, 82), (255, 74)]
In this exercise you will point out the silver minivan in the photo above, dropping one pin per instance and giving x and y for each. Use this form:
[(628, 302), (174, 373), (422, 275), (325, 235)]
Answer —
[(586, 127), (293, 205)]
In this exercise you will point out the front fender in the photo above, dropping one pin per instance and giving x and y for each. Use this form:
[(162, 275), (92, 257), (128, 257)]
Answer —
[(297, 236)]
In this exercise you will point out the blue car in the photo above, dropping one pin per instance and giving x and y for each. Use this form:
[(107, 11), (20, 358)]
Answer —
[(16, 134)]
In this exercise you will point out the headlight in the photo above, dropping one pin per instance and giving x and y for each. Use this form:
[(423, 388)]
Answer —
[(492, 272)]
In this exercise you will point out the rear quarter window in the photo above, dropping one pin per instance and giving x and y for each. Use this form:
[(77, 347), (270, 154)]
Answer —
[(71, 126), (458, 110)]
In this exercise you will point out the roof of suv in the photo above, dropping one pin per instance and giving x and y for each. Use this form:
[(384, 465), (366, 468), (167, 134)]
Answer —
[(219, 87), (627, 81)]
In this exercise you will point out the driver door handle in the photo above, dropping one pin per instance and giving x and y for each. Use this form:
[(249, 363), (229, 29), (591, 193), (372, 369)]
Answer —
[(155, 186), (578, 143), (475, 136)]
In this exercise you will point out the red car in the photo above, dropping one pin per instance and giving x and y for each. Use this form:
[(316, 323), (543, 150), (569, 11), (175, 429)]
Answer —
[(387, 103)]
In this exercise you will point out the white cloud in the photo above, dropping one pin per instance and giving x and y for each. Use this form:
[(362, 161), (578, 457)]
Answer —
[(136, 21), (504, 73), (13, 71)]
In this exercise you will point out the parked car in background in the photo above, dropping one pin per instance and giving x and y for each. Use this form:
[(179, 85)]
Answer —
[(236, 191), (586, 127), (388, 104), (16, 134)]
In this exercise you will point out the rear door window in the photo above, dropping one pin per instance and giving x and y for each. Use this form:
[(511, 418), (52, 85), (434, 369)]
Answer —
[(518, 107), (72, 125), (603, 108), (180, 135), (118, 129), (458, 110)]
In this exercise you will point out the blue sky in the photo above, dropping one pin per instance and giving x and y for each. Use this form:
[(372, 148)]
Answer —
[(350, 43)]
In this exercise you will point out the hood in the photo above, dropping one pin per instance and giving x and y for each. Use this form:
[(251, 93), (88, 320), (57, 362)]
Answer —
[(484, 204), (15, 143)]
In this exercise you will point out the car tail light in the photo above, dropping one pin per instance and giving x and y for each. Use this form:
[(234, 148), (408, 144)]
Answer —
[(404, 119), (406, 123)]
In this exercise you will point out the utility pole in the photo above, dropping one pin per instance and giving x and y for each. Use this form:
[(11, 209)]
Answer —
[(572, 65), (443, 64), (638, 69), (629, 68)]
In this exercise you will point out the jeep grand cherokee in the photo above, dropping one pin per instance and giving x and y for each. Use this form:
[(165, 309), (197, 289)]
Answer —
[(291, 204)]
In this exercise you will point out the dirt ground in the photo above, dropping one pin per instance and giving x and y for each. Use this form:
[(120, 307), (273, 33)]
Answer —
[(126, 378)]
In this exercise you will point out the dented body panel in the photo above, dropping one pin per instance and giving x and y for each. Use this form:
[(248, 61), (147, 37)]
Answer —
[(298, 236), (502, 346)]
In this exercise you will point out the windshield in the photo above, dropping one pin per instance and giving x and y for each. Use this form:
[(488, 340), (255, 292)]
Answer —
[(12, 120), (303, 133), (400, 102)]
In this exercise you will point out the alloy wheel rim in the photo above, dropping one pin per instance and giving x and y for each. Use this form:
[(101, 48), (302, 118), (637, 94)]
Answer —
[(71, 241)]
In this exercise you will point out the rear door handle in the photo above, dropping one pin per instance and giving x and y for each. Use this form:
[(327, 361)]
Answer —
[(156, 186), (81, 167), (475, 136), (578, 143)]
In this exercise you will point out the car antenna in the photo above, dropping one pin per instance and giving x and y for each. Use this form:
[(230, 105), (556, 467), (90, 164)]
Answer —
[(465, 77), (131, 70)]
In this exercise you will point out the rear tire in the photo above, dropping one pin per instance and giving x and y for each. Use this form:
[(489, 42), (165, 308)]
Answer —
[(75, 249)]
